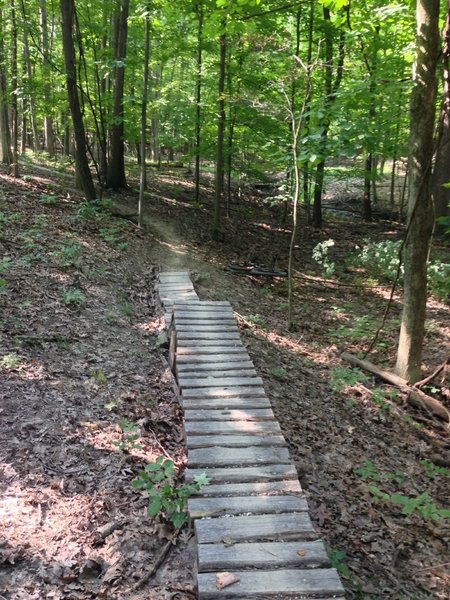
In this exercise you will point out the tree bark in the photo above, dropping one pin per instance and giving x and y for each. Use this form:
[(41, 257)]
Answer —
[(49, 135), (15, 92), (29, 77), (330, 90), (143, 178), (116, 169), (82, 165), (198, 98), (420, 204), (220, 137), (441, 175), (5, 134)]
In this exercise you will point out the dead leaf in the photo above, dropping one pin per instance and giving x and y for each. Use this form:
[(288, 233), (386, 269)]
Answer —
[(301, 552), (225, 579), (227, 542)]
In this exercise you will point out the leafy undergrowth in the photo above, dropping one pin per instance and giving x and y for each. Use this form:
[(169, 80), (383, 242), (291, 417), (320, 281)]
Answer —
[(79, 362), (374, 470)]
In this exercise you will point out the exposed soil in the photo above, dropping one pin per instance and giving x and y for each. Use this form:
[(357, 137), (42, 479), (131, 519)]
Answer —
[(80, 352)]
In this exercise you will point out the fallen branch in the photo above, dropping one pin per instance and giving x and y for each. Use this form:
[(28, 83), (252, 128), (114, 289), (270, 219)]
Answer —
[(415, 397), (158, 562), (435, 373)]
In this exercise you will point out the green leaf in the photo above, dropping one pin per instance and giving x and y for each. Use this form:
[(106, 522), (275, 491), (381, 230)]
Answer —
[(154, 506)]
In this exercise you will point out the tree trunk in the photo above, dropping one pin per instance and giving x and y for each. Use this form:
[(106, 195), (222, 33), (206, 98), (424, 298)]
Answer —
[(49, 135), (116, 169), (220, 137), (5, 134), (29, 73), (143, 179), (82, 165), (198, 97), (330, 90), (15, 92), (420, 204), (441, 175)]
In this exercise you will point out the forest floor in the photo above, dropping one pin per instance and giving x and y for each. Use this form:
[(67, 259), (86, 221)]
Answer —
[(82, 365)]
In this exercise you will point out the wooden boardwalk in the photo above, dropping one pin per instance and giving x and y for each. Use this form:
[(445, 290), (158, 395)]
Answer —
[(252, 520)]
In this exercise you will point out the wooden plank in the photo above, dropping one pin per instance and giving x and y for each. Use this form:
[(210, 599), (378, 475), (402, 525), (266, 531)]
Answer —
[(259, 428), (210, 321), (225, 403), (216, 349), (268, 555), (205, 342), (233, 441), (222, 373), (291, 526), (263, 473), (202, 358), (201, 306), (223, 392), (210, 381), (203, 313), (200, 508), (253, 414), (173, 273), (225, 327), (233, 457), (183, 286), (282, 583), (208, 336), (215, 366), (272, 488)]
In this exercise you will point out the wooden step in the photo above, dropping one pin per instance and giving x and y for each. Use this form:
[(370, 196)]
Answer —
[(233, 441), (253, 414), (199, 508), (237, 403), (270, 488), (232, 457), (259, 474), (267, 555), (227, 427), (279, 584), (255, 528), (187, 382)]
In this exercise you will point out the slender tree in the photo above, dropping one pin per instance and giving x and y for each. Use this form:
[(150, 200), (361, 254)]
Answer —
[(82, 165), (143, 178), (420, 204), (198, 96), (116, 178), (441, 175), (5, 133), (218, 191)]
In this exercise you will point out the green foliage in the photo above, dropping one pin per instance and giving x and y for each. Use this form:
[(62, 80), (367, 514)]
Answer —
[(166, 499), (380, 259), (320, 255), (130, 435), (73, 297), (256, 320), (279, 372), (423, 505), (342, 378), (362, 328), (48, 199), (439, 279), (433, 470), (112, 235), (368, 471), (336, 558), (11, 361), (3, 284), (410, 421), (98, 376), (68, 256), (94, 211)]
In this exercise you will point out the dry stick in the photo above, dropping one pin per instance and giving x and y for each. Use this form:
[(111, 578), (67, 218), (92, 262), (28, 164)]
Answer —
[(158, 562), (423, 382), (415, 396)]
